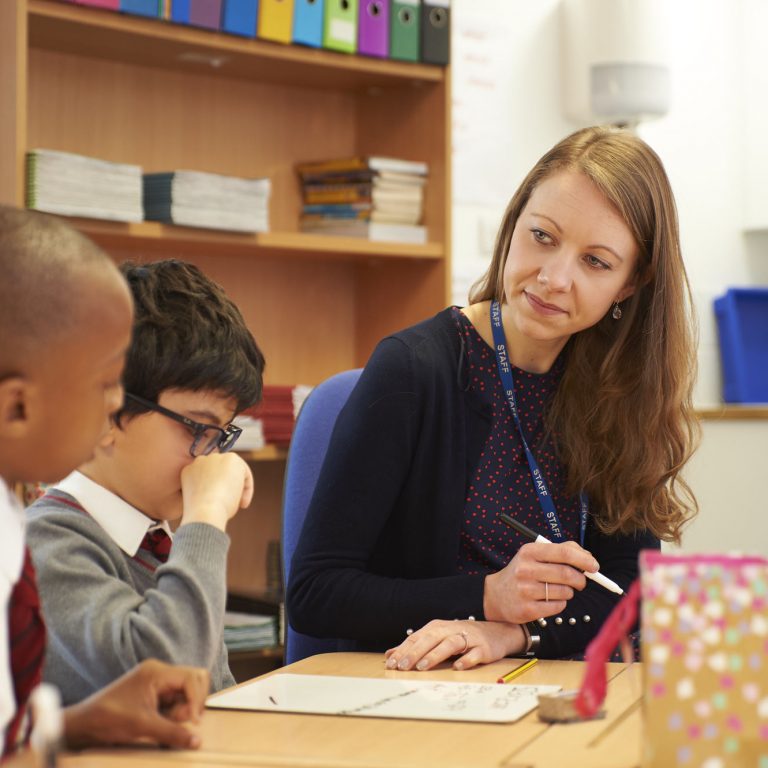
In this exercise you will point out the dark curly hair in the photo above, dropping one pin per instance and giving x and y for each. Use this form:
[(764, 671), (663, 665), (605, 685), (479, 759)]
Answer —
[(188, 335)]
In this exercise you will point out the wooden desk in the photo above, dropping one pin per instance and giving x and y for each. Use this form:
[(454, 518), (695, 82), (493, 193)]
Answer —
[(280, 740)]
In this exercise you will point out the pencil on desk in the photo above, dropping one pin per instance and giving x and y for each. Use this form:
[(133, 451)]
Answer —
[(517, 671)]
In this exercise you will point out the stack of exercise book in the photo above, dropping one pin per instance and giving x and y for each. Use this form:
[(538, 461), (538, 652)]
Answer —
[(381, 198), (76, 185), (197, 199), (277, 412), (249, 631)]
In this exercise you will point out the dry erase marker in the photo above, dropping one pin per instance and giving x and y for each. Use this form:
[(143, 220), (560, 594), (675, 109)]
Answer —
[(597, 577), (517, 671)]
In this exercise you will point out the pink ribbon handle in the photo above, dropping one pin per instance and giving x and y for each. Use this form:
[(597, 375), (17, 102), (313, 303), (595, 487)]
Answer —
[(616, 628)]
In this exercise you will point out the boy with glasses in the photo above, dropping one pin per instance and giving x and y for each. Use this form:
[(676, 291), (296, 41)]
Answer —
[(60, 366), (131, 549)]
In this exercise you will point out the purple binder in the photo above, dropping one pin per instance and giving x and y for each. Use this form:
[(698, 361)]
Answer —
[(373, 28), (205, 13)]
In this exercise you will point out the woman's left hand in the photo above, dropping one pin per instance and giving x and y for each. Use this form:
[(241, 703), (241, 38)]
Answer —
[(474, 642)]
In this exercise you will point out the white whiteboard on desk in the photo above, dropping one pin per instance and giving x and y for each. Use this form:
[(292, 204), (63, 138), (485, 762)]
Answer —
[(385, 697)]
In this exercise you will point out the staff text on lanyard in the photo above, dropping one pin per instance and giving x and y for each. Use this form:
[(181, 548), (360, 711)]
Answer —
[(539, 483)]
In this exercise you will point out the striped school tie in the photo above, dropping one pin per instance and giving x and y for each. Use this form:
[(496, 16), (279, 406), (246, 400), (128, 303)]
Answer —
[(158, 542), (26, 631)]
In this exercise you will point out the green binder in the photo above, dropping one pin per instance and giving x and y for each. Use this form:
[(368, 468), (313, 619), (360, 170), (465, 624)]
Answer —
[(404, 30), (340, 25)]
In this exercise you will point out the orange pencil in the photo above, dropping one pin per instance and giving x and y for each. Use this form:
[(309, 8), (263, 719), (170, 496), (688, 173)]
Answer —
[(517, 671)]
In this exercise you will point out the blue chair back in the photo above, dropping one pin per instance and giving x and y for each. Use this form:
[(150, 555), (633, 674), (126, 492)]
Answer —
[(309, 444)]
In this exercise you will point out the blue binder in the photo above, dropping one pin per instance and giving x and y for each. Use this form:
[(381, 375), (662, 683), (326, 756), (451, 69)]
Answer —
[(239, 17), (141, 7), (180, 11), (308, 22)]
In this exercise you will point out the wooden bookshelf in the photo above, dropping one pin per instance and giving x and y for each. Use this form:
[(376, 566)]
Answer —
[(136, 90)]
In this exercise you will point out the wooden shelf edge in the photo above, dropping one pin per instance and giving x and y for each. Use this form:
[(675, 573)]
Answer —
[(272, 652), (732, 412), (326, 244), (268, 453), (109, 35), (156, 236)]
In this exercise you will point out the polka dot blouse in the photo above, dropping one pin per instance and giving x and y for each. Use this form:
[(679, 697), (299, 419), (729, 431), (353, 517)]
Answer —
[(502, 480)]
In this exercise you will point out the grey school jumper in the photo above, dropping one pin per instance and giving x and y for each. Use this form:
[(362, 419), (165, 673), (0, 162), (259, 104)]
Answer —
[(106, 611)]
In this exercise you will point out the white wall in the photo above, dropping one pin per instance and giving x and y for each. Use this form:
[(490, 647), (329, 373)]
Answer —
[(727, 477), (505, 63), (502, 127), (702, 144)]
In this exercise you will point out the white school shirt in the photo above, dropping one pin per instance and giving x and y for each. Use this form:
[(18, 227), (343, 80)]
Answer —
[(124, 524), (11, 562)]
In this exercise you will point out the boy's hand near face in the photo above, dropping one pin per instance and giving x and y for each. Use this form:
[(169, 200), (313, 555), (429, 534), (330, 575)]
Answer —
[(214, 488)]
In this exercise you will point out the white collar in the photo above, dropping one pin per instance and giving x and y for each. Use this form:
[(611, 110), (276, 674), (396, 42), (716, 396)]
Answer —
[(11, 534), (125, 524)]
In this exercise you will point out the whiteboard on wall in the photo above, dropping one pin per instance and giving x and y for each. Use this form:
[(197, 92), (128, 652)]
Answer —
[(506, 112), (481, 59)]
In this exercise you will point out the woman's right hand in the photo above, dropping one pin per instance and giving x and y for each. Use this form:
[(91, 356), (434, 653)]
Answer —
[(538, 582)]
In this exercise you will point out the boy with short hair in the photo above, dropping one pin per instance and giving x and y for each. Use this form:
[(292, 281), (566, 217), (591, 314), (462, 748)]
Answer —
[(115, 591), (65, 322)]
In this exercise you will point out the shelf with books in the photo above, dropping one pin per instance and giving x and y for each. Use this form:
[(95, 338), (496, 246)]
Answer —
[(254, 661), (120, 104), (91, 32)]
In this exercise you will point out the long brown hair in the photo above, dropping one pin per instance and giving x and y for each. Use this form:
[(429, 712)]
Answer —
[(622, 416)]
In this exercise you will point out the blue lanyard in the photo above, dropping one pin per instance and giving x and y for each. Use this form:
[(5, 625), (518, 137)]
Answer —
[(539, 483)]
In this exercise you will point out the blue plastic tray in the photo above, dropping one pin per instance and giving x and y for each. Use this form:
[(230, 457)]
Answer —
[(742, 323)]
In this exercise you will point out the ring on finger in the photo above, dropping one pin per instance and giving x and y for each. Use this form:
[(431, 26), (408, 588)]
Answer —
[(463, 636), (546, 591)]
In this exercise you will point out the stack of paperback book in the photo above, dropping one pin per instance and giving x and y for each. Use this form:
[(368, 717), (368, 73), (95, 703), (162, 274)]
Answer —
[(197, 199), (381, 198), (248, 631), (76, 185)]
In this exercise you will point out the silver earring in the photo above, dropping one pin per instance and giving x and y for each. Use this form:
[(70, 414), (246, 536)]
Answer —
[(617, 313)]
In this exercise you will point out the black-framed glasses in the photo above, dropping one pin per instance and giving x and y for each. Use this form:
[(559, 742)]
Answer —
[(206, 438)]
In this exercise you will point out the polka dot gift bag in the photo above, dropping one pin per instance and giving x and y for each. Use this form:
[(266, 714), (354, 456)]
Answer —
[(704, 625)]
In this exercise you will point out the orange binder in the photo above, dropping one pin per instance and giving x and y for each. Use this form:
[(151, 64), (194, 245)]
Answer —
[(275, 20)]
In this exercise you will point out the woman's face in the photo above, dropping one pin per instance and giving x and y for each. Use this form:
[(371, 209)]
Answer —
[(570, 258)]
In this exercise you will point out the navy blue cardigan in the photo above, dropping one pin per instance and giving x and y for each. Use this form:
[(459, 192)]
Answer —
[(378, 551)]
